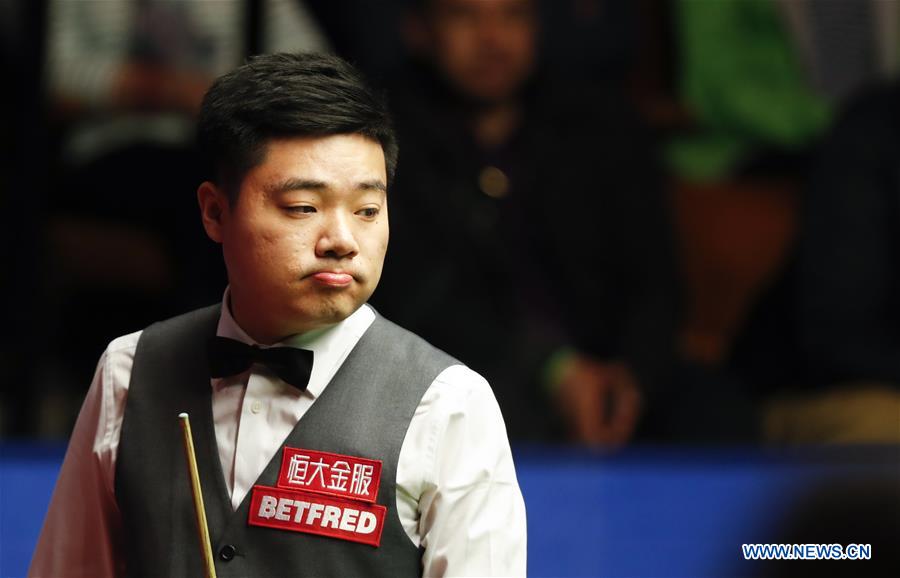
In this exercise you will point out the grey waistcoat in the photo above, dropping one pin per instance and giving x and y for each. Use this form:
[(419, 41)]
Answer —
[(365, 412)]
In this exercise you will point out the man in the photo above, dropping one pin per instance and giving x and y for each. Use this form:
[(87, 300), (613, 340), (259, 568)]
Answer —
[(301, 156), (533, 231)]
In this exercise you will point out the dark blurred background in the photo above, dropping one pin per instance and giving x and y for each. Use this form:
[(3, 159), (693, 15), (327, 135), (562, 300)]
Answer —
[(669, 226), (650, 221)]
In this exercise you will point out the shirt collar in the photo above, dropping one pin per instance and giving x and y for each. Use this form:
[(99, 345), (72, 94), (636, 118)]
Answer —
[(330, 345)]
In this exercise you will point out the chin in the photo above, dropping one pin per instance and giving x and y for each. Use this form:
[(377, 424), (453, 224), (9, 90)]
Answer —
[(324, 312)]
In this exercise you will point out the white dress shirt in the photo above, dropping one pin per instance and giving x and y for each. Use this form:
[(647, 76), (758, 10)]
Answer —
[(457, 493)]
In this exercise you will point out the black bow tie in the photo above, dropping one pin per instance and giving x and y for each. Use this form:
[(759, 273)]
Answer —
[(229, 357)]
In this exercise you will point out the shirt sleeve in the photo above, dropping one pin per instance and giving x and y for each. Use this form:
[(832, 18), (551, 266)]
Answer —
[(472, 515), (79, 536)]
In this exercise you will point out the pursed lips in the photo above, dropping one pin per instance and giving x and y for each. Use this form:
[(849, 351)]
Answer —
[(332, 278)]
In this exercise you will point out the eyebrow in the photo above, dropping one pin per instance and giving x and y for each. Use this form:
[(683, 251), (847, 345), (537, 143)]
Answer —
[(314, 185), (374, 185)]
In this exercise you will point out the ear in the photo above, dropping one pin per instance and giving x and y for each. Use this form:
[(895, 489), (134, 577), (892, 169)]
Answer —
[(213, 209)]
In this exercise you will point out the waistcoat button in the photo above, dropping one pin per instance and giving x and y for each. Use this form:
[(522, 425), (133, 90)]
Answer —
[(227, 552)]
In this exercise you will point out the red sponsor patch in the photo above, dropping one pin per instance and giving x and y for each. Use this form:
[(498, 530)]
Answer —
[(316, 514), (331, 474)]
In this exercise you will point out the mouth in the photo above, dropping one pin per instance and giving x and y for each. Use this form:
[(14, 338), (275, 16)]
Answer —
[(332, 278)]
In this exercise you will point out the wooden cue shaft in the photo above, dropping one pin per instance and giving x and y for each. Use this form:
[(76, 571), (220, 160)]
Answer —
[(199, 510)]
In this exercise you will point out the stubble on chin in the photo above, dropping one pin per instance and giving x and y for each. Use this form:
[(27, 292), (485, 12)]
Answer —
[(322, 310)]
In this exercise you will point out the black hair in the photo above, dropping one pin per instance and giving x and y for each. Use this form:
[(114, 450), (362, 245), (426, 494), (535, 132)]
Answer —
[(285, 95)]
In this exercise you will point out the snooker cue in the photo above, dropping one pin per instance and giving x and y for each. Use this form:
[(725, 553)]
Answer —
[(199, 510)]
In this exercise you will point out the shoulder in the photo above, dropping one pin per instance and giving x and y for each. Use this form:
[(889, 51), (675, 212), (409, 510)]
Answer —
[(460, 397), (117, 361), (177, 335), (459, 390), (119, 354), (463, 380), (200, 316), (405, 346), (122, 348)]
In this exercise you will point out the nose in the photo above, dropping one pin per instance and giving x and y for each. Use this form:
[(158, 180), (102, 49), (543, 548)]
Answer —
[(336, 239)]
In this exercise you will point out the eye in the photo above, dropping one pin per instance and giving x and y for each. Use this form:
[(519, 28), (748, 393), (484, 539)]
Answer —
[(301, 209), (368, 212)]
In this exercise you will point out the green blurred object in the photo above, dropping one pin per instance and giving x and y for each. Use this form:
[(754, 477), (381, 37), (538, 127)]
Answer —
[(744, 84)]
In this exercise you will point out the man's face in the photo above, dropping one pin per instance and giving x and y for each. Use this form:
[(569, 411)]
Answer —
[(485, 48), (304, 242)]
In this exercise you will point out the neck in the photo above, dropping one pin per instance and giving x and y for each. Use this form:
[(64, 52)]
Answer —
[(256, 331), (254, 324)]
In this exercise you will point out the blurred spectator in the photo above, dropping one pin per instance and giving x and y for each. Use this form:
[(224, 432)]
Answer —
[(759, 81), (529, 232), (760, 77), (125, 80), (848, 301), (594, 39)]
